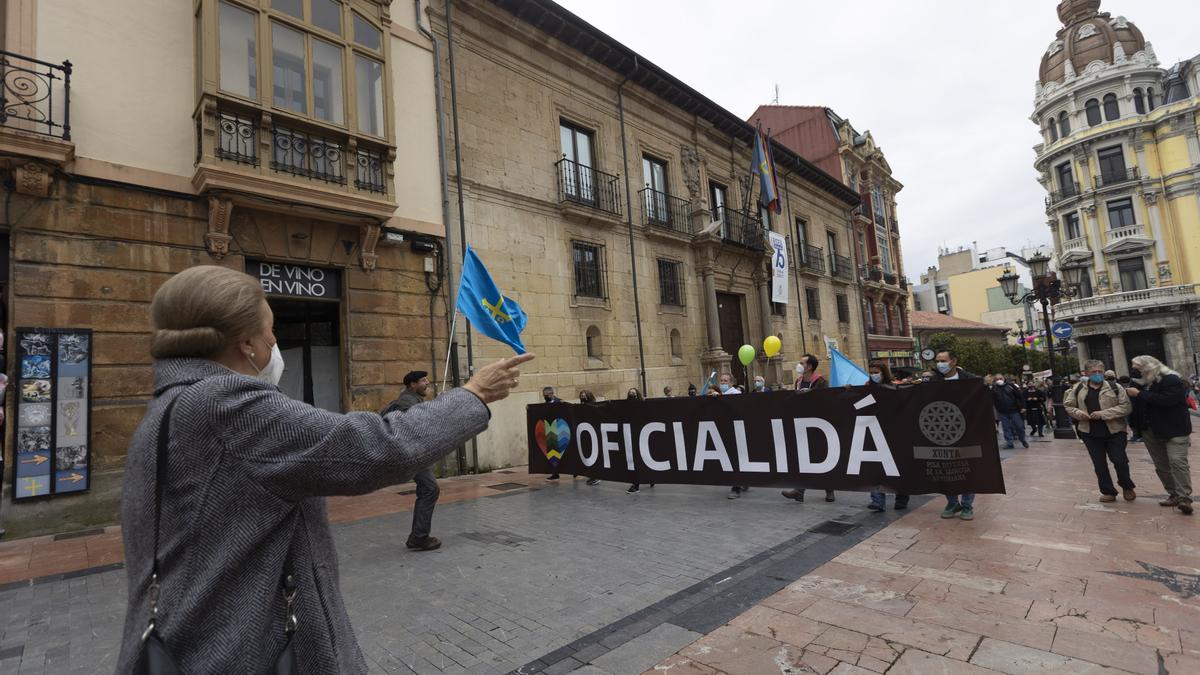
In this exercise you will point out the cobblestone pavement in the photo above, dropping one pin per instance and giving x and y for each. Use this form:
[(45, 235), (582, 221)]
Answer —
[(547, 576), (1044, 579)]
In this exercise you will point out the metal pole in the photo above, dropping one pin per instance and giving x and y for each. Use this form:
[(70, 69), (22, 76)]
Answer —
[(1062, 422), (637, 306)]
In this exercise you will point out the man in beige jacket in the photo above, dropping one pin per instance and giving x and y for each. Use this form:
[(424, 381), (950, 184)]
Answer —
[(1100, 408)]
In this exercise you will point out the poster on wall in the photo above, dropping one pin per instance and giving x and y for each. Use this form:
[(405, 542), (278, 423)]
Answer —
[(53, 412)]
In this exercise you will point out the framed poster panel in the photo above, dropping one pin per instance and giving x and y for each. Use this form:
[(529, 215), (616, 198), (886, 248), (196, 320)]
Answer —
[(53, 421)]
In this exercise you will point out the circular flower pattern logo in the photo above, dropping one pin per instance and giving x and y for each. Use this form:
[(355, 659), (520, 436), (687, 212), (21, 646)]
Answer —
[(942, 423)]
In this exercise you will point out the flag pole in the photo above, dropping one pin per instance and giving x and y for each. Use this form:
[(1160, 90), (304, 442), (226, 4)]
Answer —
[(450, 345)]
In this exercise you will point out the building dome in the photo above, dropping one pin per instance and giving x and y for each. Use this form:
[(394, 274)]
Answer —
[(1087, 35)]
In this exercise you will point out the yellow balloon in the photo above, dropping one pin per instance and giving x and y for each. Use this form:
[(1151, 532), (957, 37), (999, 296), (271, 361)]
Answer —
[(771, 346)]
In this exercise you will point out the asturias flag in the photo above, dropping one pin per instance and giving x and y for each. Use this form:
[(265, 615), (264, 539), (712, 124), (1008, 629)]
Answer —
[(491, 313), (764, 168), (843, 371)]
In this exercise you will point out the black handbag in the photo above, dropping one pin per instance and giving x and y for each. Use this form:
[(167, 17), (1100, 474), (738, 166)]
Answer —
[(155, 658)]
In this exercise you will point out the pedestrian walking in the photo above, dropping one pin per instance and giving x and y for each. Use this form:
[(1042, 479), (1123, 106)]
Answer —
[(635, 394), (807, 379), (549, 397), (1100, 408), (226, 535), (416, 384), (1035, 408), (1166, 426), (1009, 402), (880, 374), (948, 370)]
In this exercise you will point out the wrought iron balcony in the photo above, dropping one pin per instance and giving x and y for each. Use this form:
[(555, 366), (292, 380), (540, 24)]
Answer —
[(662, 210), (741, 228), (889, 278), (36, 95), (1109, 178), (1065, 192), (300, 154), (841, 267), (812, 259), (582, 184)]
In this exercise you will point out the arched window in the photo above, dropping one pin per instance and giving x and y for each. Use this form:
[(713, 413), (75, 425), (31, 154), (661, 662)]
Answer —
[(1150, 99), (1139, 102), (676, 344), (593, 342), (1093, 112), (1052, 127), (1064, 124), (1112, 111)]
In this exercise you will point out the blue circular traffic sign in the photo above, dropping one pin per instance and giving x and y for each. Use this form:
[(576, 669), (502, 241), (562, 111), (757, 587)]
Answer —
[(1061, 330)]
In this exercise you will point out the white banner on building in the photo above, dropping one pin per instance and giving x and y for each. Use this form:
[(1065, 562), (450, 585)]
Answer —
[(779, 268)]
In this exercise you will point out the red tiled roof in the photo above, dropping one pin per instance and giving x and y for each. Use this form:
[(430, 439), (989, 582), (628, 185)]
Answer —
[(935, 320)]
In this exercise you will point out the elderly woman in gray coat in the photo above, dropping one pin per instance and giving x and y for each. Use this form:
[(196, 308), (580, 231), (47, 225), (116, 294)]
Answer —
[(246, 478)]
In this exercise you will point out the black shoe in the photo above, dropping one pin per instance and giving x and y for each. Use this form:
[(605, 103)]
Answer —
[(874, 507), (798, 495), (829, 496), (633, 489), (1186, 507), (593, 481), (423, 543), (1024, 443), (552, 476)]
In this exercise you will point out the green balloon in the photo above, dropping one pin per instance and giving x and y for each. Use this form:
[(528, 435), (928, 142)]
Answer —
[(746, 354)]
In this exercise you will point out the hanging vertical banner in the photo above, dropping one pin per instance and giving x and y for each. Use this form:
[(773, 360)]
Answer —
[(779, 268), (53, 425)]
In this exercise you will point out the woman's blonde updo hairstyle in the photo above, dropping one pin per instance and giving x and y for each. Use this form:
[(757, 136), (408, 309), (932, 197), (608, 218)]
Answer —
[(202, 309)]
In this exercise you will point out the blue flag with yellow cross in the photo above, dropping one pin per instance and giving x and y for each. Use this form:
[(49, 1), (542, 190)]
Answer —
[(491, 313)]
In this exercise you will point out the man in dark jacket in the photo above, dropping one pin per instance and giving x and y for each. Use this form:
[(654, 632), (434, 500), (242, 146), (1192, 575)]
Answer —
[(1010, 404), (1166, 426), (415, 385), (549, 397), (946, 370)]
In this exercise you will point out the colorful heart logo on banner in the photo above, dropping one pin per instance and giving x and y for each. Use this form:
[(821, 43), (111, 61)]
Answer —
[(553, 437)]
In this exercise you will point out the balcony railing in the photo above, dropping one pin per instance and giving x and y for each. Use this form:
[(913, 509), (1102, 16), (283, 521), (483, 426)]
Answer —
[(662, 210), (368, 166), (1107, 178), (1129, 300), (301, 154), (1124, 232), (812, 259), (841, 266), (36, 95), (1065, 192), (1076, 244), (741, 228), (889, 278), (237, 138), (582, 184)]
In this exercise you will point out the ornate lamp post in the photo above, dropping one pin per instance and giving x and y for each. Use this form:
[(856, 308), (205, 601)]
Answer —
[(1021, 337), (1047, 290)]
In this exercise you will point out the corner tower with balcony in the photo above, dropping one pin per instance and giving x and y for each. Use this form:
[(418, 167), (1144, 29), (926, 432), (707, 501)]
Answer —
[(1120, 161)]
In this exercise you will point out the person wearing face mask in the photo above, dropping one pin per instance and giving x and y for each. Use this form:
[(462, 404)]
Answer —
[(1166, 426), (881, 376), (1100, 408), (586, 396), (549, 397), (760, 385), (691, 391), (223, 505), (729, 386), (947, 370), (416, 383), (1035, 408), (1009, 401), (807, 379), (634, 394)]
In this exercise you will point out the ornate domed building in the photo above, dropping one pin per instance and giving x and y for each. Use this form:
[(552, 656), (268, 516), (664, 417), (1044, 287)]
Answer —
[(1120, 160)]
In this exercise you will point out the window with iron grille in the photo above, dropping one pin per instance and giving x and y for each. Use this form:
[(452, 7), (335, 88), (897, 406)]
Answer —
[(670, 282), (843, 308), (813, 300), (589, 270)]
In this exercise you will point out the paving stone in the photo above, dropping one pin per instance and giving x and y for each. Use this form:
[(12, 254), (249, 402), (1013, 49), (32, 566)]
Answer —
[(642, 652), (1015, 659)]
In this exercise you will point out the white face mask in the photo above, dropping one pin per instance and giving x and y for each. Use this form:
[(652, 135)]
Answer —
[(1000, 383), (274, 368), (799, 368), (877, 377)]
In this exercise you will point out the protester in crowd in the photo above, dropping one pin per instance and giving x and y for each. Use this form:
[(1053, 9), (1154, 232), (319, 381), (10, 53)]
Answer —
[(807, 379), (1109, 375), (416, 383), (549, 397), (760, 385), (727, 386), (1009, 402), (691, 389), (1035, 408), (1166, 426), (881, 376), (807, 376), (667, 392), (1100, 408), (634, 394), (1137, 414), (948, 370), (208, 575), (586, 396)]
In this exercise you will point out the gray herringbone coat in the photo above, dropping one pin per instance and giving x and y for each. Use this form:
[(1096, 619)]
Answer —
[(248, 472)]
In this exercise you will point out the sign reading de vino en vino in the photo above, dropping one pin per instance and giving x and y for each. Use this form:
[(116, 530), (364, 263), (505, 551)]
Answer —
[(298, 281)]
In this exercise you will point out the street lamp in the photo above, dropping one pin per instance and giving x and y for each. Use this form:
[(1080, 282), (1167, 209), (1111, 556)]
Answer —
[(1047, 290), (1021, 337)]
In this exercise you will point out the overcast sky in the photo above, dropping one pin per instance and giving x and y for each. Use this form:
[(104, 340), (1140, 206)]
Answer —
[(944, 86)]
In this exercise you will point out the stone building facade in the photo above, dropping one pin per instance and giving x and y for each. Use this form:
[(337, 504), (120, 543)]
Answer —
[(600, 191), (1120, 159), (292, 163)]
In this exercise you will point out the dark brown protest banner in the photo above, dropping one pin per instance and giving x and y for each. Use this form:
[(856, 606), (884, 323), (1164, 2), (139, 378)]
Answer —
[(929, 438)]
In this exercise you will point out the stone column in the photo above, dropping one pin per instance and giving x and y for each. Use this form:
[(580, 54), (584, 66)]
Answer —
[(1173, 344), (712, 318), (1081, 346), (1092, 224), (763, 288), (1160, 243), (1120, 361)]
